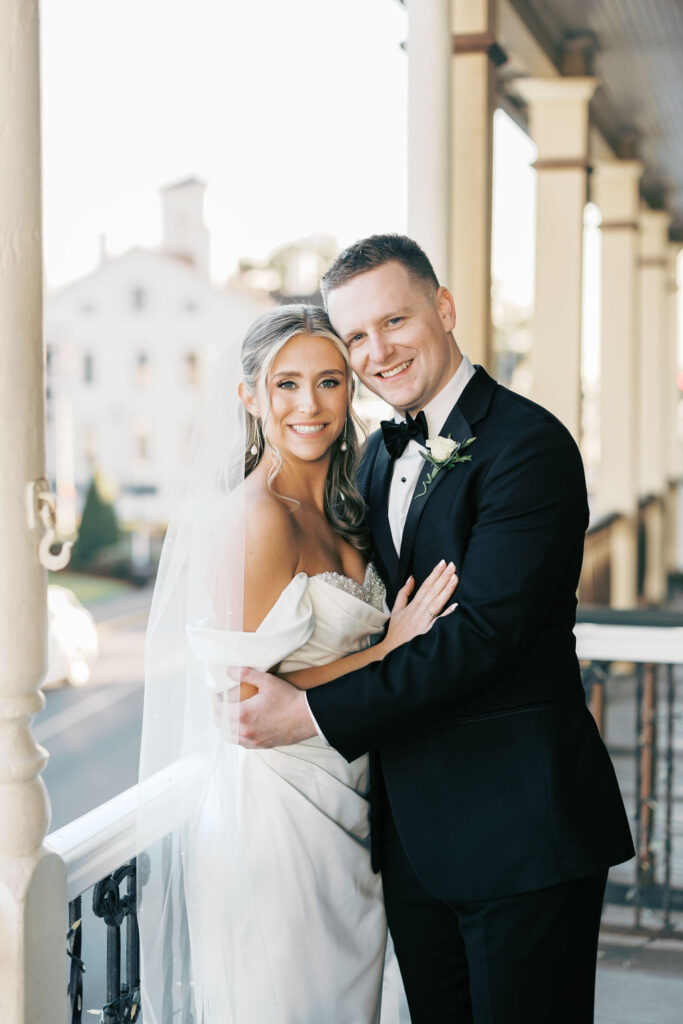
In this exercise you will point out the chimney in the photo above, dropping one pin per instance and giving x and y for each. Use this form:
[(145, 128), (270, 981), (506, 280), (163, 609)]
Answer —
[(185, 235)]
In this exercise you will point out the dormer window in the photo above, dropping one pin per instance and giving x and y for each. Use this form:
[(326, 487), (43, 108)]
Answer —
[(192, 369), (141, 370), (88, 368)]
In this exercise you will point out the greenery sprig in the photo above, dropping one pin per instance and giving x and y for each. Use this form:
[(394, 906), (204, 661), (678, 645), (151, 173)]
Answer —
[(444, 453)]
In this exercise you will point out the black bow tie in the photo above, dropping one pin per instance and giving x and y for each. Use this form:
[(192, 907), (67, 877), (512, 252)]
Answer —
[(397, 435)]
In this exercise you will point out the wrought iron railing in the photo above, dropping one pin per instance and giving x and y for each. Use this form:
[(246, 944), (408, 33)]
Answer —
[(633, 674)]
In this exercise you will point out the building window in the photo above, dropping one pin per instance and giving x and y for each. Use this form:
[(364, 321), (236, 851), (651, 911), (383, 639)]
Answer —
[(141, 436), (88, 368), (139, 298), (141, 370), (89, 445), (192, 369)]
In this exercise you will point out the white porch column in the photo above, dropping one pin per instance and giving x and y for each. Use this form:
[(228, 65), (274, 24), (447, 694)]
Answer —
[(615, 191), (472, 155), (32, 880), (655, 360), (558, 120), (653, 449), (674, 462), (673, 457), (429, 128)]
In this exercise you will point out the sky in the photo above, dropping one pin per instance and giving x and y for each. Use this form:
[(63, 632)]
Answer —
[(293, 113)]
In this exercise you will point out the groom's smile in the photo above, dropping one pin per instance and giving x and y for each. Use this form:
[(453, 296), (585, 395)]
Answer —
[(395, 371), (398, 332)]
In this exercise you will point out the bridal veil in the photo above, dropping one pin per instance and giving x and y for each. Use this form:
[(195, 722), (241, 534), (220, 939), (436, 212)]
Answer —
[(182, 807)]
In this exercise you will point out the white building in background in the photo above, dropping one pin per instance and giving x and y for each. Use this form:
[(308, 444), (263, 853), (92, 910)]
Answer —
[(128, 348)]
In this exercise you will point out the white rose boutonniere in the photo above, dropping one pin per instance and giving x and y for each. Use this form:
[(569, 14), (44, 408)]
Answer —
[(441, 448), (443, 453)]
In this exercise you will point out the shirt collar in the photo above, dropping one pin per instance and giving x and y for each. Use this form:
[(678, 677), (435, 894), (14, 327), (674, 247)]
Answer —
[(438, 409)]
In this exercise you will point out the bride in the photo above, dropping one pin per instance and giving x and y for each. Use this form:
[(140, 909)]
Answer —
[(261, 906)]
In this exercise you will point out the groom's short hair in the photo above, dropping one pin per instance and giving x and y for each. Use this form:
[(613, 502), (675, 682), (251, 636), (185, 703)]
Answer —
[(372, 252)]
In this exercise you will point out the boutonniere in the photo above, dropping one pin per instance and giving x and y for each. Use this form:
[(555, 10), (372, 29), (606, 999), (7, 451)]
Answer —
[(443, 453)]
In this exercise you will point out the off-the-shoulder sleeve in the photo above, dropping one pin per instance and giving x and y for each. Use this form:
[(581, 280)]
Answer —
[(286, 628)]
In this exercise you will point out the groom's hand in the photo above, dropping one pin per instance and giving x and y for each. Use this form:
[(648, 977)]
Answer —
[(276, 716)]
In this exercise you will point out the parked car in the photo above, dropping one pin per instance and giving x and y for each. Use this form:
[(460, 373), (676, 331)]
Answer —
[(72, 642)]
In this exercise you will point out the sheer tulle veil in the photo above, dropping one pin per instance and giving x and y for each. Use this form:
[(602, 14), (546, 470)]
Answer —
[(191, 859), (183, 753)]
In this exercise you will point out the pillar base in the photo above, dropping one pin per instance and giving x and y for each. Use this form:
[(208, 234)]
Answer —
[(654, 583), (671, 515), (624, 563), (33, 924)]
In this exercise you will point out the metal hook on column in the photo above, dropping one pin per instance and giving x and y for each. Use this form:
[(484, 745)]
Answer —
[(42, 511)]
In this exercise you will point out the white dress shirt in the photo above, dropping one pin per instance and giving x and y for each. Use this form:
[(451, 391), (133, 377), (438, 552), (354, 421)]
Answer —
[(407, 467)]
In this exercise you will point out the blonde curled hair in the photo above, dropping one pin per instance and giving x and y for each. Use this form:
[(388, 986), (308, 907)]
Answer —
[(343, 504)]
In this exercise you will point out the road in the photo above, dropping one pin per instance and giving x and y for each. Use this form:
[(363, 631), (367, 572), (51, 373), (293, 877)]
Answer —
[(93, 738)]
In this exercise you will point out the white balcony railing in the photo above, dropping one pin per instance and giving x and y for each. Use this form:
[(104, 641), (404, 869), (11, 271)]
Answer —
[(656, 645), (98, 842)]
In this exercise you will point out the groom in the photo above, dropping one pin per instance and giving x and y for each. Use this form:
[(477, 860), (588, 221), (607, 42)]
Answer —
[(495, 809)]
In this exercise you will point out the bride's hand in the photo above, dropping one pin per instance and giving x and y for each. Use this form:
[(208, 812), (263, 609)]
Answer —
[(410, 618)]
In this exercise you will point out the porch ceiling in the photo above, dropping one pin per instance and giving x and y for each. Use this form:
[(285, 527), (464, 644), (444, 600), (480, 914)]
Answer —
[(638, 56)]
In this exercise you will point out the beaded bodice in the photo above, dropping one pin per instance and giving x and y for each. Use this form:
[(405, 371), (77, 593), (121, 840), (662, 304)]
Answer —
[(371, 590)]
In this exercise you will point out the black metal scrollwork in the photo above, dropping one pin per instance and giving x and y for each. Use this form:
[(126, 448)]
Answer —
[(123, 999), (77, 969)]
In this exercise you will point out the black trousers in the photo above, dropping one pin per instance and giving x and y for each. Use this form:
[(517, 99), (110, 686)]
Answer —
[(525, 959)]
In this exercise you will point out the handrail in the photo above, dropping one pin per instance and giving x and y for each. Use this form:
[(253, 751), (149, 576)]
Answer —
[(657, 645), (100, 841), (649, 635), (603, 615)]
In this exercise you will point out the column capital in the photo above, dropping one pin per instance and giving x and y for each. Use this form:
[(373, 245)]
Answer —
[(618, 170), (654, 235), (615, 189), (580, 89), (672, 252), (656, 220), (469, 16), (558, 119)]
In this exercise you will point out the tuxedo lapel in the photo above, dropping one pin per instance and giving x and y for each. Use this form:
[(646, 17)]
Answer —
[(470, 408), (379, 511), (457, 426)]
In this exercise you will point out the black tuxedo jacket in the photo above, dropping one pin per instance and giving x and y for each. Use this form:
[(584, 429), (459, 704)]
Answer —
[(496, 775)]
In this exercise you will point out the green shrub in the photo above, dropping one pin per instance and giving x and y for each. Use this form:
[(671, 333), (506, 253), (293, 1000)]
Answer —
[(99, 528)]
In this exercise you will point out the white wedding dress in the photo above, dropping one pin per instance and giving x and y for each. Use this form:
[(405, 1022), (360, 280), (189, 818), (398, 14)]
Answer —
[(298, 935)]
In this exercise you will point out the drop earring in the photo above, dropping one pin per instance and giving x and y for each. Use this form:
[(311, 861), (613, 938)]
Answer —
[(256, 446), (344, 446)]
